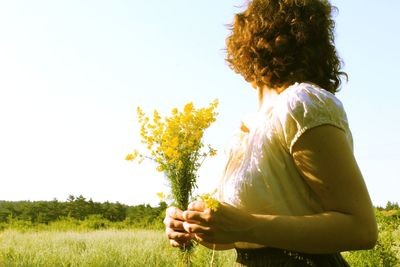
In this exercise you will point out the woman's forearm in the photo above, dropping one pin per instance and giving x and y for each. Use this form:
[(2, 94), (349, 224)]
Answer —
[(327, 232)]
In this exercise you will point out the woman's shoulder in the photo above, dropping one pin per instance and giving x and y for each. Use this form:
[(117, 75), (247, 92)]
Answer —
[(301, 95), (303, 106)]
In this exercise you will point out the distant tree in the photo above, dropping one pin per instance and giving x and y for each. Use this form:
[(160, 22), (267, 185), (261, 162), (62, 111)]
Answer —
[(4, 213), (78, 207), (392, 206), (114, 211)]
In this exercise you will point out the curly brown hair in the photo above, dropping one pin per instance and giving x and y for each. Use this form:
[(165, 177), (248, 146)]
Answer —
[(275, 43)]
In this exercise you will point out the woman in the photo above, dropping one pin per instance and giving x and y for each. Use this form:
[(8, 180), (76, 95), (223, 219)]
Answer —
[(292, 193)]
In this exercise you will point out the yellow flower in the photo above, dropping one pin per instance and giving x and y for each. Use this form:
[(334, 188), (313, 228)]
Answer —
[(211, 203), (129, 157), (161, 196), (213, 152), (174, 143), (160, 168), (132, 157), (140, 113), (188, 108)]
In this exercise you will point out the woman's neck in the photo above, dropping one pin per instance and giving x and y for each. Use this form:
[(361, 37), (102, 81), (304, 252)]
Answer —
[(267, 95)]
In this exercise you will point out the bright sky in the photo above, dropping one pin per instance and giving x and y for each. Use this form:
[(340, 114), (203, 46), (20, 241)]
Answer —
[(73, 72)]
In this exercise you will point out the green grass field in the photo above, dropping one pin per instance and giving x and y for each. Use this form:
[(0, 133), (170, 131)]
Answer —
[(72, 234), (116, 247), (98, 248)]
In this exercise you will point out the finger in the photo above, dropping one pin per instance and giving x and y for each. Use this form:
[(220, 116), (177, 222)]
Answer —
[(199, 237), (195, 216), (197, 206), (175, 244), (177, 236), (195, 228), (173, 224), (175, 213)]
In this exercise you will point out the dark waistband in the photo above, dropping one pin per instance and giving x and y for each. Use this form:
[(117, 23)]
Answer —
[(249, 257)]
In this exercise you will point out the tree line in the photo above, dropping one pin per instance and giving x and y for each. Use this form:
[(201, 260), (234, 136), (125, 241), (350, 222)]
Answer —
[(79, 208)]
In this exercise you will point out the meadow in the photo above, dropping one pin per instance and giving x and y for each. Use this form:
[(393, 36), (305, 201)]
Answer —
[(99, 248), (36, 241), (140, 247)]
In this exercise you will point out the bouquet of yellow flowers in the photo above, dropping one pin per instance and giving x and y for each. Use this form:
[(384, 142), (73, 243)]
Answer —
[(175, 144)]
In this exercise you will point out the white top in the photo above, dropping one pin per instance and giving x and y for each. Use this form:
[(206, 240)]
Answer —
[(260, 175)]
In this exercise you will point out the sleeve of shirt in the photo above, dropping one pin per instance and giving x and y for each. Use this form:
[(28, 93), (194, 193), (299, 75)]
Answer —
[(303, 107)]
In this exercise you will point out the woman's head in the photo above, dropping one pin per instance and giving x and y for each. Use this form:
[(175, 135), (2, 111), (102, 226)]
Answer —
[(278, 42)]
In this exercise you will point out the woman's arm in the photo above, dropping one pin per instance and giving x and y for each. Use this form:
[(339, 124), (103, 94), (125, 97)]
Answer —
[(325, 160)]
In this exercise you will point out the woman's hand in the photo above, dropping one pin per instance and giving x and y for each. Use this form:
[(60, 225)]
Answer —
[(224, 226), (175, 232)]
